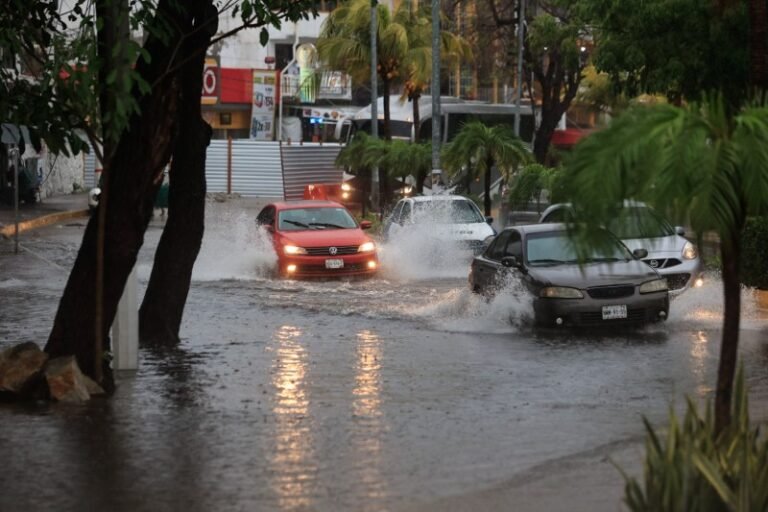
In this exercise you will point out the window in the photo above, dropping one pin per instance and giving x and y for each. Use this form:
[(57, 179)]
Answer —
[(297, 219), (515, 246), (397, 212), (405, 216), (267, 216), (496, 249), (557, 215)]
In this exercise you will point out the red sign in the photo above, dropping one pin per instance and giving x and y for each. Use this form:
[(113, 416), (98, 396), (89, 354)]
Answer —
[(211, 86)]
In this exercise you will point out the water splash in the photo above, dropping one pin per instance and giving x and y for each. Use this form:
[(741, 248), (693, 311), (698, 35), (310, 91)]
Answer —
[(234, 247), (704, 305), (421, 253)]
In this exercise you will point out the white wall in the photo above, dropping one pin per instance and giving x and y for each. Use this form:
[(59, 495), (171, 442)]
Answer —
[(243, 50), (61, 174)]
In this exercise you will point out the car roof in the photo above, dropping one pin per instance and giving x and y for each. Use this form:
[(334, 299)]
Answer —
[(441, 197), (538, 228), (292, 205)]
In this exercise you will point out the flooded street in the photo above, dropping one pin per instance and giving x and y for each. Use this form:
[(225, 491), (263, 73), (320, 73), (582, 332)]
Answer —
[(401, 392)]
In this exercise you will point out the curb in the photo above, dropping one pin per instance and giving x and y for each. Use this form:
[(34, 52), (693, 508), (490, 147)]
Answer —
[(8, 230)]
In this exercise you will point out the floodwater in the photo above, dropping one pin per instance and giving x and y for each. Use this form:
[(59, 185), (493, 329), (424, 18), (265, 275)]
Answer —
[(401, 392)]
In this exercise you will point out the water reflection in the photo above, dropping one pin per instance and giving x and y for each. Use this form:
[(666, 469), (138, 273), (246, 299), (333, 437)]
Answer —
[(292, 457), (698, 360), (366, 406)]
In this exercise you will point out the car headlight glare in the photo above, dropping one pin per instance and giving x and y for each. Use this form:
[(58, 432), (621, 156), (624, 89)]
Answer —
[(367, 247), (346, 187), (657, 285), (689, 251), (292, 249), (560, 292)]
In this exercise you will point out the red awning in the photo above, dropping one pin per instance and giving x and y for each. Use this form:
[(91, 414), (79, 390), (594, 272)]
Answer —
[(568, 137)]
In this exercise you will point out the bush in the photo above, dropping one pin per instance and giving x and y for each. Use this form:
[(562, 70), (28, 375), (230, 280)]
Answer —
[(754, 264), (692, 471)]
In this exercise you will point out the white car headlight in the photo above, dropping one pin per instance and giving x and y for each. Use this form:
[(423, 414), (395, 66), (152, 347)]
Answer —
[(560, 292), (657, 285), (689, 251), (367, 247), (292, 249)]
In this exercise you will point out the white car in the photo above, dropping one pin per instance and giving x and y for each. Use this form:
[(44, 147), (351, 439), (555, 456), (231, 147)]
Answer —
[(669, 252), (440, 218)]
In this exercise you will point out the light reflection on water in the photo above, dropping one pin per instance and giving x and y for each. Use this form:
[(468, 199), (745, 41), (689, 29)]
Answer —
[(292, 458), (366, 406)]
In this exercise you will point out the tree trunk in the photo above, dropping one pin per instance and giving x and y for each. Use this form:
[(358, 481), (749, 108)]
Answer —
[(758, 43), (162, 309), (730, 253), (421, 174), (385, 196), (487, 187), (140, 155), (549, 121)]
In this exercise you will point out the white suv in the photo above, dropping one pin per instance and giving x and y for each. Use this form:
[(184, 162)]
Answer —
[(443, 218)]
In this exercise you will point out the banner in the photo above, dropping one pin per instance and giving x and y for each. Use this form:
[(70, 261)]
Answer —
[(210, 93), (263, 104)]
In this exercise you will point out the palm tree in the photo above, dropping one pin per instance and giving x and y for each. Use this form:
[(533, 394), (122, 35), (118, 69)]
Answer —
[(478, 147), (345, 43), (417, 63), (696, 162)]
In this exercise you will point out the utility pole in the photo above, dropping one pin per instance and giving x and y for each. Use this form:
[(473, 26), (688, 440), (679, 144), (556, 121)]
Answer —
[(520, 42), (436, 118), (374, 102)]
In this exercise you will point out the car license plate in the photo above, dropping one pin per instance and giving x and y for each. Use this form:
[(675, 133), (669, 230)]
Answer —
[(337, 263), (614, 312)]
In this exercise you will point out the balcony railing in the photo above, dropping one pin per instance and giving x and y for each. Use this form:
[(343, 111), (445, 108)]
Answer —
[(334, 85)]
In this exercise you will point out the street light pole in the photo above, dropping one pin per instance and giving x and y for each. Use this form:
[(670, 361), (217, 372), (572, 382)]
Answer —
[(520, 42), (17, 153), (436, 172), (374, 102)]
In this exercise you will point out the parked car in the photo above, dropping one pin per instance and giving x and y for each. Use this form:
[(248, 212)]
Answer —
[(442, 218), (318, 239), (612, 286), (669, 252)]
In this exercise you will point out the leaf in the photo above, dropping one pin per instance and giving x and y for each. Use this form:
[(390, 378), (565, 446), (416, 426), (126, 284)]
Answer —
[(264, 36)]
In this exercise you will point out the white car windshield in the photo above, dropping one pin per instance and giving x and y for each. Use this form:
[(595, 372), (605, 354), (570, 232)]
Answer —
[(555, 248), (297, 219), (457, 211), (640, 223)]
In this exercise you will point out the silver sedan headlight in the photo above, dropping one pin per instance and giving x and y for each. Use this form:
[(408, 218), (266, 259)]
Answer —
[(689, 251), (560, 292), (657, 285)]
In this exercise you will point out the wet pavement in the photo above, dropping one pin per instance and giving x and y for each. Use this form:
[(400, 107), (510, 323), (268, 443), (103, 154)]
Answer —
[(402, 392)]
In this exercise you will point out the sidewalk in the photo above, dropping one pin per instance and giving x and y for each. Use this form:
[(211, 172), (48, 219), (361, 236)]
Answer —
[(45, 212)]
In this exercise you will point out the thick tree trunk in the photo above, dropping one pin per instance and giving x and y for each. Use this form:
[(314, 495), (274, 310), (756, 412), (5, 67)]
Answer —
[(139, 157), (730, 253), (487, 187), (549, 120), (758, 43), (162, 309)]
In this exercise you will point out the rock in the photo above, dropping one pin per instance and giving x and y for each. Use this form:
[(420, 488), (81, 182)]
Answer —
[(20, 367), (67, 383)]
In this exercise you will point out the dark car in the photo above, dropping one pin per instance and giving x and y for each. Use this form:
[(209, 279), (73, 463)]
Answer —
[(611, 285)]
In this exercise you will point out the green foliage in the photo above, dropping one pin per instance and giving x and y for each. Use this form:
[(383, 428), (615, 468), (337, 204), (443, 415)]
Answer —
[(398, 157), (693, 470), (695, 163), (477, 146), (754, 248), (680, 48), (531, 180), (55, 91)]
